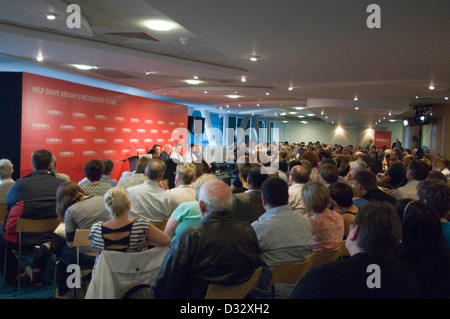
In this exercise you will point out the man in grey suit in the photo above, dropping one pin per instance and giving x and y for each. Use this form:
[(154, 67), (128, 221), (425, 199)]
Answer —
[(248, 205)]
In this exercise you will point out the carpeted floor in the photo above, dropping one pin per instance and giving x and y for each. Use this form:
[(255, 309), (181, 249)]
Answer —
[(31, 292)]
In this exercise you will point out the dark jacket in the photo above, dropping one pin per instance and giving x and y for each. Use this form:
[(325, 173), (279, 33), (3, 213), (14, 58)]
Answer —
[(248, 206), (222, 249), (32, 197), (379, 195)]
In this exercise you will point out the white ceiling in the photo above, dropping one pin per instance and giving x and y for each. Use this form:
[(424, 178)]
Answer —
[(322, 48)]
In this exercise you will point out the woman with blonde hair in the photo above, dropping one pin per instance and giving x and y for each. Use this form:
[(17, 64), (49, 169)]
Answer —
[(328, 225), (122, 233)]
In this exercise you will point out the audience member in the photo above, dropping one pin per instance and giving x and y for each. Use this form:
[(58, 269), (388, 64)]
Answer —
[(147, 199), (371, 272), (313, 159), (182, 192), (78, 210), (417, 171), (32, 197), (437, 194), (176, 154), (342, 198), (155, 151), (367, 188), (187, 214), (395, 175), (106, 176), (165, 154), (122, 233), (55, 171), (424, 249), (242, 177), (222, 249), (138, 177), (442, 165), (283, 236), (298, 176), (327, 225), (248, 205), (6, 181), (328, 174), (355, 167), (436, 175), (189, 155), (93, 169)]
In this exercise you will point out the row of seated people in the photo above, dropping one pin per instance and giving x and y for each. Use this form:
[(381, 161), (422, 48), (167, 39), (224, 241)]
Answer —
[(215, 224)]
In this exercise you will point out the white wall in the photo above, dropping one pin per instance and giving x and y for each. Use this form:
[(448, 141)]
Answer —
[(328, 134)]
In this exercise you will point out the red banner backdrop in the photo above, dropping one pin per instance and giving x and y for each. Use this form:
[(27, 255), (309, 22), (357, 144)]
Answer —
[(78, 123), (383, 138)]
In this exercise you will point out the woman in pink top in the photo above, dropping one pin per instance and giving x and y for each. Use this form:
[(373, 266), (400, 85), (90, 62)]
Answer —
[(328, 225)]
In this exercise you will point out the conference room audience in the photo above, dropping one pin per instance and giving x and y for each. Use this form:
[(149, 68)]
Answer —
[(442, 165), (248, 205), (423, 248), (138, 176), (93, 170), (372, 242), (327, 225), (283, 236), (221, 249), (328, 174), (77, 210), (395, 175), (187, 214), (147, 199), (6, 181), (313, 159), (32, 197), (121, 232)]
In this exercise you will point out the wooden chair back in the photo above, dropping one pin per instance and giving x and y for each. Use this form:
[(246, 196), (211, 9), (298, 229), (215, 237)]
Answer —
[(344, 251), (289, 273), (82, 238), (239, 291), (26, 225), (3, 212), (325, 256)]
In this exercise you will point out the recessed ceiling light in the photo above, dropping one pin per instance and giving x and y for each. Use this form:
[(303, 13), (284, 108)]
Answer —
[(39, 58), (299, 107), (355, 98), (84, 67), (431, 87), (290, 88), (51, 16), (446, 98), (356, 108), (254, 58), (195, 77), (326, 117), (292, 112), (285, 121), (243, 79), (301, 116), (267, 93), (321, 112), (390, 114), (147, 72), (193, 82), (160, 25), (205, 92), (310, 114), (284, 113), (304, 122), (233, 96), (257, 104), (392, 121)]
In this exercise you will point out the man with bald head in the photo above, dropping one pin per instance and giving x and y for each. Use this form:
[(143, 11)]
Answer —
[(298, 176), (222, 250)]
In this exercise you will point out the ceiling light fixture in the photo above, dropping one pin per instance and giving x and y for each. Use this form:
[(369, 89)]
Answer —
[(310, 114), (85, 67), (267, 93), (160, 25), (193, 82), (50, 16), (243, 79), (356, 108), (39, 58), (355, 98), (304, 122), (431, 87), (233, 96), (290, 88), (299, 107), (322, 113), (446, 98), (390, 113), (195, 77), (254, 58), (301, 116)]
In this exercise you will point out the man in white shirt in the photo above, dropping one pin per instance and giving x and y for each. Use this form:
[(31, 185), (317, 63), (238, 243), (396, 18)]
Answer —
[(298, 176), (189, 156), (147, 199), (417, 171), (183, 192), (175, 155)]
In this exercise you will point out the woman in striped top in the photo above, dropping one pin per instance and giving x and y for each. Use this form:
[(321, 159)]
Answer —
[(123, 233)]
